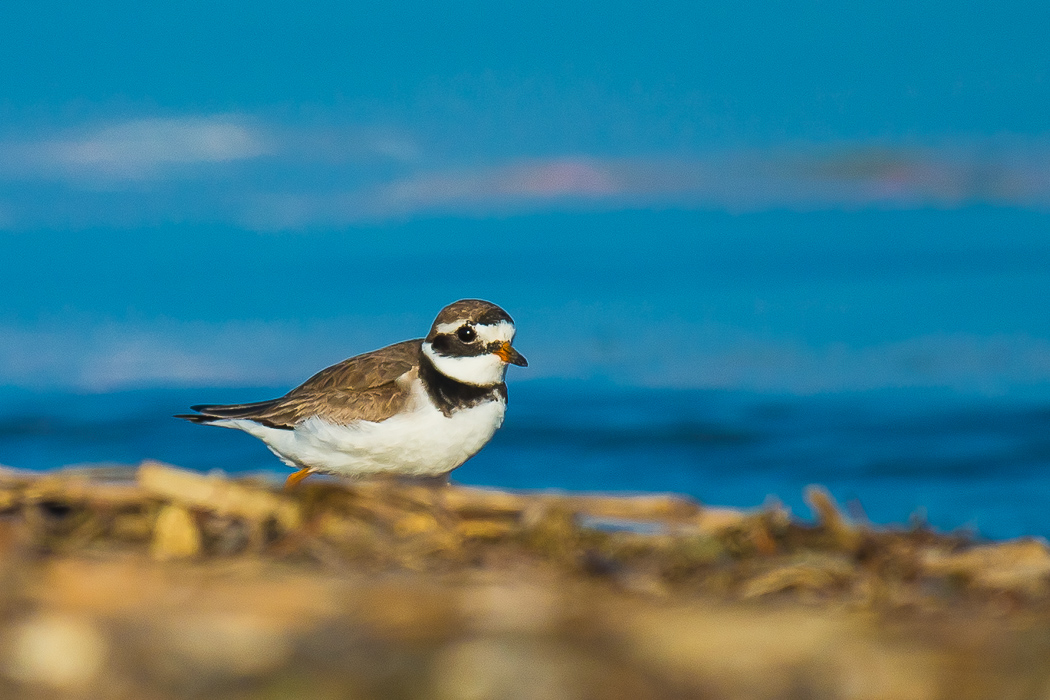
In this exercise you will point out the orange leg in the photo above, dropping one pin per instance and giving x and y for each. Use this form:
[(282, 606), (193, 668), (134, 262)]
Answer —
[(295, 477)]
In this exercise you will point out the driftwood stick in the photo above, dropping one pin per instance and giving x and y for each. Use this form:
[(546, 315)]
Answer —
[(217, 494)]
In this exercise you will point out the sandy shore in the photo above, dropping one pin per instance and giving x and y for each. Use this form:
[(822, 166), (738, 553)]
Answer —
[(163, 583)]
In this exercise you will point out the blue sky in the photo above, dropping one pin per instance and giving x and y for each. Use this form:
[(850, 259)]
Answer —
[(775, 196)]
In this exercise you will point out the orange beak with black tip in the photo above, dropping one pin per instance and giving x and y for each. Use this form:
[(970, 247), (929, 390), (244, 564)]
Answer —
[(510, 355)]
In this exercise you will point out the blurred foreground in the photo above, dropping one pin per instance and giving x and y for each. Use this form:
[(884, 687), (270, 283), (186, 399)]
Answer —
[(163, 583)]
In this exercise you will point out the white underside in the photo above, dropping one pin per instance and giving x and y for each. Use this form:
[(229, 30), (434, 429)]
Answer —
[(420, 441)]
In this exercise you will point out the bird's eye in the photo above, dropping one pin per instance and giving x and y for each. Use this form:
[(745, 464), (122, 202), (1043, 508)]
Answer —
[(466, 334)]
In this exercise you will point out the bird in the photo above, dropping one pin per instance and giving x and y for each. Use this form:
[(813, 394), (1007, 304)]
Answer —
[(418, 408)]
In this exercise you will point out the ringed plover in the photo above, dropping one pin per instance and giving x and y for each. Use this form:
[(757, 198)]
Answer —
[(417, 408)]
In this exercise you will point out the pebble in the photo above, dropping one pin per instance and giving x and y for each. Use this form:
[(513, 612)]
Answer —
[(55, 650)]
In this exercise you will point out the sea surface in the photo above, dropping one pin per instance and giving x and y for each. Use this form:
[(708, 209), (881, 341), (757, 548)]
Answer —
[(893, 456)]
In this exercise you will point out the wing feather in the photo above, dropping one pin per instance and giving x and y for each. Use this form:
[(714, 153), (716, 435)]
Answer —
[(364, 387)]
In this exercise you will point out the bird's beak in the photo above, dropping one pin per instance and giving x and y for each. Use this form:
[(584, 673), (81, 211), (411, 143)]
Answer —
[(511, 356)]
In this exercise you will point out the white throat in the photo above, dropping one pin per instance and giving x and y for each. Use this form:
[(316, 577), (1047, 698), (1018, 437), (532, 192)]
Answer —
[(480, 370)]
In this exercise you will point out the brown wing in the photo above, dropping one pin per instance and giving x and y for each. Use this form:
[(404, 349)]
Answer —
[(366, 371), (365, 387)]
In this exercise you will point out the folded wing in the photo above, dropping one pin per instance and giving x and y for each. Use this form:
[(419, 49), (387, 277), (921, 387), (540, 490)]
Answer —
[(365, 387)]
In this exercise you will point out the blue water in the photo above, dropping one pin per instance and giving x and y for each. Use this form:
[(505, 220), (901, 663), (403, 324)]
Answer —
[(959, 460)]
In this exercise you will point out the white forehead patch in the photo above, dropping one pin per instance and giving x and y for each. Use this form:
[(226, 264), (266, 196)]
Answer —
[(502, 332)]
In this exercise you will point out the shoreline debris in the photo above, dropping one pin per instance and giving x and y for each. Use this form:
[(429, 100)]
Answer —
[(164, 583)]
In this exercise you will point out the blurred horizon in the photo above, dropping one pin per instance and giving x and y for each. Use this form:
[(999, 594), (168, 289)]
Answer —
[(766, 301)]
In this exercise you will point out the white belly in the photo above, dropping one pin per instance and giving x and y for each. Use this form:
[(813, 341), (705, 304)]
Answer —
[(423, 442)]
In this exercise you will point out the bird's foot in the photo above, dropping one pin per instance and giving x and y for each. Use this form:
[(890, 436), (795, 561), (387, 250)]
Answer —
[(294, 478)]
